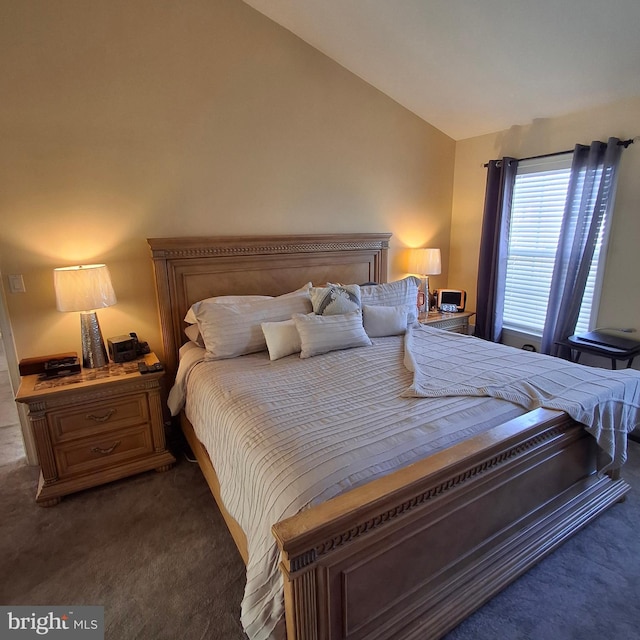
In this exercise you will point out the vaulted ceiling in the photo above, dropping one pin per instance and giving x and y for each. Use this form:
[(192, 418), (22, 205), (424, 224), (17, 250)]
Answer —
[(471, 67)]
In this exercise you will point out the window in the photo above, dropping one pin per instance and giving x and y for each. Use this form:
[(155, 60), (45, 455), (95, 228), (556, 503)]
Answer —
[(538, 204)]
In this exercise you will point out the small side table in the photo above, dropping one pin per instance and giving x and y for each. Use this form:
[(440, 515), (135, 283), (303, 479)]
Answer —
[(604, 345), (96, 426), (455, 322)]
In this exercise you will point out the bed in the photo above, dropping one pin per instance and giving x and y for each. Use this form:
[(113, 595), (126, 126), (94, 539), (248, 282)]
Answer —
[(413, 552)]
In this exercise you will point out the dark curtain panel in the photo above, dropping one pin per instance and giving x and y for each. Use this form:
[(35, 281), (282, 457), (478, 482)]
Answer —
[(590, 198), (492, 264)]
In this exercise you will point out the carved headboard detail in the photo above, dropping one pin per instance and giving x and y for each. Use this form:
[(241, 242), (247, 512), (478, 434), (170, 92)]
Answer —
[(192, 269)]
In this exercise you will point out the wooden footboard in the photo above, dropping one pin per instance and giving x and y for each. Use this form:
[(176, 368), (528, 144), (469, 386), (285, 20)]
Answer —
[(412, 554)]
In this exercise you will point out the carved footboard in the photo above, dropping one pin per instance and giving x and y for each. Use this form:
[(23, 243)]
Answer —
[(412, 554)]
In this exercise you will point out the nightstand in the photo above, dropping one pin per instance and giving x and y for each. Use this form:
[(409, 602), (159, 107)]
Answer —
[(96, 426), (456, 322)]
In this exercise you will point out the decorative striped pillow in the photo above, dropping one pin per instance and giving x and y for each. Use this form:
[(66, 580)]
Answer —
[(190, 318), (393, 294), (235, 328), (321, 334)]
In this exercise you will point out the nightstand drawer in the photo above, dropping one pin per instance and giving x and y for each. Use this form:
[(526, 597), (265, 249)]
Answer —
[(94, 454), (78, 422)]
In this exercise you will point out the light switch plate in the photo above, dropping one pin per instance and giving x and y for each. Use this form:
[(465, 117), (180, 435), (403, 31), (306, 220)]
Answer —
[(16, 284)]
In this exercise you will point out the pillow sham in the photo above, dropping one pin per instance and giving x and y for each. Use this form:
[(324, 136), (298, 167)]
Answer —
[(322, 334), (190, 317), (380, 321), (393, 294), (231, 329), (282, 338), (335, 299)]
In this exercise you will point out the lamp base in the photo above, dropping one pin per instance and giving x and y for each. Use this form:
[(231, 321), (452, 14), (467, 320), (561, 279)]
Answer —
[(94, 354), (425, 307)]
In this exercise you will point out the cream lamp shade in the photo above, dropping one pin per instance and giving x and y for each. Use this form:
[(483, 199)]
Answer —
[(83, 288), (425, 263), (86, 288)]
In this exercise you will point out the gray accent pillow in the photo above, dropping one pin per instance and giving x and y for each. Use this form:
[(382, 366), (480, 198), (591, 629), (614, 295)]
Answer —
[(335, 299), (382, 321)]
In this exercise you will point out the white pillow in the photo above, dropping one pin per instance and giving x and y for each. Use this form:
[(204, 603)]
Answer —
[(393, 294), (190, 318), (382, 321), (231, 329), (321, 334), (335, 298), (282, 338), (193, 333)]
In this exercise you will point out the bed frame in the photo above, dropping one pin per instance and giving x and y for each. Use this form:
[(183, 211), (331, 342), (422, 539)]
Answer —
[(412, 554)]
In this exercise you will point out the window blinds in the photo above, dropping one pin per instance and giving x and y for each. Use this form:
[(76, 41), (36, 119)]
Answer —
[(538, 205)]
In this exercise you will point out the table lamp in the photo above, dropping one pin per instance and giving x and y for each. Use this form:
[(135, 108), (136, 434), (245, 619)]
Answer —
[(85, 288), (425, 263)]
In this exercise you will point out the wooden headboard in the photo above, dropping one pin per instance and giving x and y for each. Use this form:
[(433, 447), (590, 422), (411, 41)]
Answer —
[(192, 269)]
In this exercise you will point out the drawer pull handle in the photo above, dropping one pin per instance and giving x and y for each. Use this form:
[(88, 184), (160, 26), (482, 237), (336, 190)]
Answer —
[(105, 452), (103, 418)]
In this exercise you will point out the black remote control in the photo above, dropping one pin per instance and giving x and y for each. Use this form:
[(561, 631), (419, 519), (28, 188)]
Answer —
[(142, 367)]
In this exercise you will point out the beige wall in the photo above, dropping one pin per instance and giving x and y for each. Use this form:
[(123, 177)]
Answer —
[(121, 121), (620, 303), (125, 120)]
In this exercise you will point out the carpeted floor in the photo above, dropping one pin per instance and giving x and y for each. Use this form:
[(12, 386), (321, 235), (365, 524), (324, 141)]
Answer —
[(154, 551)]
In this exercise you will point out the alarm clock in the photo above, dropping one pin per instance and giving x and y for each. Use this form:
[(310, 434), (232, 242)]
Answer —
[(448, 308), (122, 348)]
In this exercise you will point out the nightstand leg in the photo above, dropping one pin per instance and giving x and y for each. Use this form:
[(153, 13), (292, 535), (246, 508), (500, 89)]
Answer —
[(42, 487)]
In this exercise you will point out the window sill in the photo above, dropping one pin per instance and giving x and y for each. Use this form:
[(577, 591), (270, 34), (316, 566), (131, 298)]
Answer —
[(517, 339)]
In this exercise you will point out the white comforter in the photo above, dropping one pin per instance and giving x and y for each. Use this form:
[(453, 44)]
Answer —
[(287, 434), (449, 364)]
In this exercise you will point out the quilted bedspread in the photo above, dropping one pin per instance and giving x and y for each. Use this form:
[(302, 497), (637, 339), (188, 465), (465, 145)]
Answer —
[(606, 402), (288, 434)]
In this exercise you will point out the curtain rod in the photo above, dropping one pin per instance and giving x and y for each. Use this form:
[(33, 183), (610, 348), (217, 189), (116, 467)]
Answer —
[(624, 143)]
